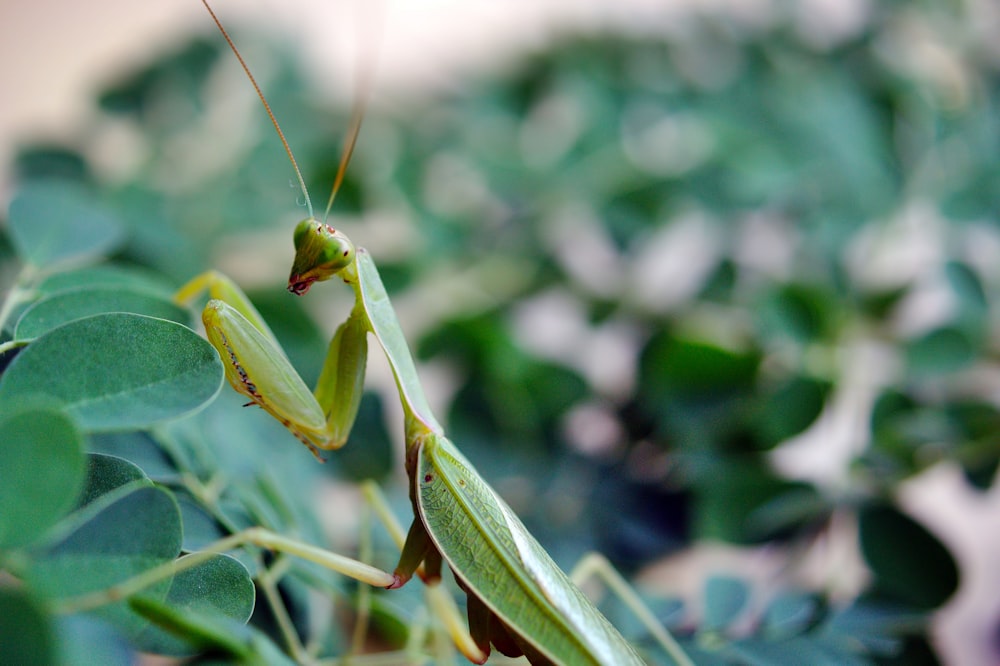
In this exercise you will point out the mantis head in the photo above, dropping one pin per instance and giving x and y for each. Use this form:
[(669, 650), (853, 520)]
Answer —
[(320, 250), (320, 253)]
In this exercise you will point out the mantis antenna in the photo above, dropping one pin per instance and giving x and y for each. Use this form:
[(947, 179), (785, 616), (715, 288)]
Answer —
[(354, 129), (362, 91)]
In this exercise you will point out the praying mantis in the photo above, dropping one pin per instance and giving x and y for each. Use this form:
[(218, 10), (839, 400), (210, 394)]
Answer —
[(519, 601)]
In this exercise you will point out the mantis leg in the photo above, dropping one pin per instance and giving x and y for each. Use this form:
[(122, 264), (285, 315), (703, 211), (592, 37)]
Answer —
[(220, 287), (342, 379), (595, 565), (258, 368), (440, 602), (438, 599)]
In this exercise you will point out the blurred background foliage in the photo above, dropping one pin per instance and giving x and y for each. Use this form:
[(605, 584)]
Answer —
[(732, 283)]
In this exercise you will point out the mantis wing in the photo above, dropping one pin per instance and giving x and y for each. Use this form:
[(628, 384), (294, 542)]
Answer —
[(491, 551)]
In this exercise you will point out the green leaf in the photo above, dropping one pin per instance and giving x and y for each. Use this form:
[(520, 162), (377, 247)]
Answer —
[(123, 533), (115, 537), (140, 449), (799, 313), (200, 631), (106, 473), (54, 222), (796, 650), (374, 460), (789, 408), (788, 510), (941, 351), (200, 528), (85, 640), (178, 75), (877, 626), (790, 614), (118, 371), (26, 635), (243, 643), (222, 584), (46, 160), (908, 562), (738, 498), (725, 599), (218, 588), (41, 471), (972, 299), (66, 306), (698, 391), (691, 366), (106, 275)]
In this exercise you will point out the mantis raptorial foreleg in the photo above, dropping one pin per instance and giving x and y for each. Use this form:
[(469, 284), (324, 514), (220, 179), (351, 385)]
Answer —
[(320, 420)]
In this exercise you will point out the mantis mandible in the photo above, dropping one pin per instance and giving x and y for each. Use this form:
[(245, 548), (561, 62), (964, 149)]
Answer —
[(519, 601)]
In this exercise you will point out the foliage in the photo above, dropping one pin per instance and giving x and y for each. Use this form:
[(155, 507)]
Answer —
[(646, 265)]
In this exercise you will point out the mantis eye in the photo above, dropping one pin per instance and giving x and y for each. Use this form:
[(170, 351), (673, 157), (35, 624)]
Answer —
[(338, 252), (320, 253)]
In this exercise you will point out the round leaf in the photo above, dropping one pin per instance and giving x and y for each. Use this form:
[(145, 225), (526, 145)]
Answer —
[(909, 563), (798, 313), (66, 306), (796, 650), (200, 527), (140, 449), (218, 634), (739, 499), (879, 627), (41, 471), (725, 598), (85, 640), (375, 459), (25, 630), (53, 222), (199, 631), (218, 588), (939, 352), (120, 535), (696, 384), (972, 299), (118, 371), (789, 409), (106, 275), (106, 473), (790, 614), (115, 537)]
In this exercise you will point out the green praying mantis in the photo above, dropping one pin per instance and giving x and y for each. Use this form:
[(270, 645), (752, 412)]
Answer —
[(518, 599)]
